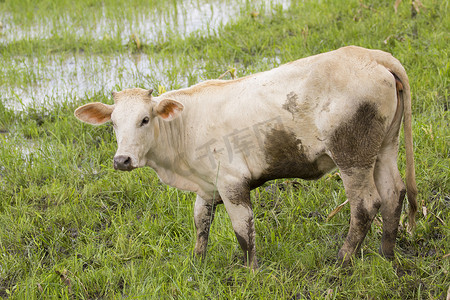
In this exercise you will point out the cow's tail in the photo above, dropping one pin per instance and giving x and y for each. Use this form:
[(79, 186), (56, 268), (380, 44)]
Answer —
[(404, 95)]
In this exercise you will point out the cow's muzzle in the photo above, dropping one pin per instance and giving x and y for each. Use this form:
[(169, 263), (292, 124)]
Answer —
[(123, 163)]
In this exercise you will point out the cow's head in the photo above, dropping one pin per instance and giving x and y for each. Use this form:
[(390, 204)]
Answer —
[(134, 116)]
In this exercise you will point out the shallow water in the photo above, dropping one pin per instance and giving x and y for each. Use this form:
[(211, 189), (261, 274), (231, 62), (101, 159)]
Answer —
[(80, 75), (59, 77), (149, 23)]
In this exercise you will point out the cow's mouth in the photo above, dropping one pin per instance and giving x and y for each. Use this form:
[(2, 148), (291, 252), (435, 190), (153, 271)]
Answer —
[(123, 163)]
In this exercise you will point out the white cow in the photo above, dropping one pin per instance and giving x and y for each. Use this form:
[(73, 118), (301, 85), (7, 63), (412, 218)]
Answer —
[(221, 139)]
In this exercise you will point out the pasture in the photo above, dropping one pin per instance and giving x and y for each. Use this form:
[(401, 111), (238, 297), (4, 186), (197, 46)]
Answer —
[(73, 227)]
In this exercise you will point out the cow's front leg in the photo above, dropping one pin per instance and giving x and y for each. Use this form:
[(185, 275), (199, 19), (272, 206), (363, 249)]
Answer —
[(239, 208), (203, 217)]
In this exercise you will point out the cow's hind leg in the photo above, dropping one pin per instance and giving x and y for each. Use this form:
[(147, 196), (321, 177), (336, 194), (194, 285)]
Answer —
[(354, 147), (390, 185), (392, 191), (364, 203), (203, 217)]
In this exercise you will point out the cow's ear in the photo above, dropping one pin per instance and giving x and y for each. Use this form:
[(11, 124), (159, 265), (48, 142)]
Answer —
[(94, 113), (168, 109)]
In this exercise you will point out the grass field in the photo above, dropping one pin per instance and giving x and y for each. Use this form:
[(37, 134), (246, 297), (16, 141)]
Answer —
[(72, 227)]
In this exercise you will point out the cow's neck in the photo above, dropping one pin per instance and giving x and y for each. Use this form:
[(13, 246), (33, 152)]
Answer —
[(169, 140), (168, 158)]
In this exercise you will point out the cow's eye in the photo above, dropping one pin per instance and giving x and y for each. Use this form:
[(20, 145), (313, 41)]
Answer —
[(145, 121)]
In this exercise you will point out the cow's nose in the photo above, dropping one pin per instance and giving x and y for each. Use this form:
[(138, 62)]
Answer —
[(123, 163)]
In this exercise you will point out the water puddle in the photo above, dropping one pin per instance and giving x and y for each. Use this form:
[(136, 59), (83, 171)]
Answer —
[(65, 78), (149, 23), (57, 78)]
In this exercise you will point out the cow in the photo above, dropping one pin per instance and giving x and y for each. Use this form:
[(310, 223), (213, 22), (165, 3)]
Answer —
[(222, 138)]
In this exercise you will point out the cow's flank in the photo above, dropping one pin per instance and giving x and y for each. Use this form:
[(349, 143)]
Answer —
[(356, 142)]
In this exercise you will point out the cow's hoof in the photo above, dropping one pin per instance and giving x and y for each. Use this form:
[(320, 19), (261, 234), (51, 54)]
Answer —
[(343, 261), (386, 254), (198, 256)]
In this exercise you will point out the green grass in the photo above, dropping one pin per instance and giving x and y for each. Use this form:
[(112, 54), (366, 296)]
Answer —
[(72, 227)]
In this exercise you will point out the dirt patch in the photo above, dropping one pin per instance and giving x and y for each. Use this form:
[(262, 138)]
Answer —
[(356, 142), (286, 157)]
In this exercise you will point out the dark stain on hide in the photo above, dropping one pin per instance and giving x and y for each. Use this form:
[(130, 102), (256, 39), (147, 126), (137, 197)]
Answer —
[(362, 215), (247, 243), (356, 142), (286, 158), (203, 225), (240, 194), (376, 205), (362, 221), (326, 106), (205, 222), (388, 244), (291, 104), (401, 197), (389, 235)]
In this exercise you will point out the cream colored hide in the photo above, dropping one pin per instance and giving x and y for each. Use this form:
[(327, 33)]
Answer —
[(221, 139)]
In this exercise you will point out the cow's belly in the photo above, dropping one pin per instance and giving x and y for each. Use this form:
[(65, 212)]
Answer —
[(296, 168), (286, 157)]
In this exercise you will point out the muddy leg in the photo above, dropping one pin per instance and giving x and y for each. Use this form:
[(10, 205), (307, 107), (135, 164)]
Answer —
[(364, 203), (354, 147), (238, 206), (392, 191), (203, 217)]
